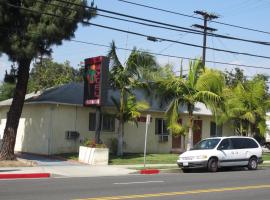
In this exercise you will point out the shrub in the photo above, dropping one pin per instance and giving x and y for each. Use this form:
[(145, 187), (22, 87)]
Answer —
[(92, 144)]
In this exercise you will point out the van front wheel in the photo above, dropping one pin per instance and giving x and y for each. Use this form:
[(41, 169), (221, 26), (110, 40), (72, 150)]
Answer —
[(212, 165)]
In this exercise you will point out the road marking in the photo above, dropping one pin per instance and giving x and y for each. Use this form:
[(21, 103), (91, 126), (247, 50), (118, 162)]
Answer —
[(129, 183), (226, 189)]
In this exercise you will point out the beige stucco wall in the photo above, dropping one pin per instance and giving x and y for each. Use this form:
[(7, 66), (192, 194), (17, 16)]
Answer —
[(72, 118), (134, 137), (42, 130), (32, 133)]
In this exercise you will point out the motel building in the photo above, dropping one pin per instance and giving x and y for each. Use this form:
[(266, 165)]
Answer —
[(59, 119)]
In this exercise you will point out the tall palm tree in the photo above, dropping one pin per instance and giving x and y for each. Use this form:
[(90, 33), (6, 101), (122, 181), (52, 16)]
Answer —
[(126, 78), (200, 85)]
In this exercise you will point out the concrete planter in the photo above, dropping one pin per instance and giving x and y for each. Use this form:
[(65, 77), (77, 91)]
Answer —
[(94, 156)]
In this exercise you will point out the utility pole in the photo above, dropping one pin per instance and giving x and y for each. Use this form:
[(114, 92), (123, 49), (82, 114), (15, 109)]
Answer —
[(206, 17)]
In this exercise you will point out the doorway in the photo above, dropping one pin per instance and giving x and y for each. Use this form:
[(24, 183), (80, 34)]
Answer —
[(197, 131)]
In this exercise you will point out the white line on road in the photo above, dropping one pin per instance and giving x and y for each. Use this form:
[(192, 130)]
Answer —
[(129, 183)]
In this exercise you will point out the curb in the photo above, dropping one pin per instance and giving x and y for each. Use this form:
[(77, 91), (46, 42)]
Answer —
[(32, 175), (28, 162), (149, 171)]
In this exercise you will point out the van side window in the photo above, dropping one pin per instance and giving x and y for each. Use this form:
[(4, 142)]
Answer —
[(237, 143), (224, 145), (250, 144)]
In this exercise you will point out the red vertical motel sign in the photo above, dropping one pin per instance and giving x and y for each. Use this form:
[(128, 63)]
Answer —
[(95, 80)]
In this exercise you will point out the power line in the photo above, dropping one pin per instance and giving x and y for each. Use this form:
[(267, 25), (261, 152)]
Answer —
[(191, 16), (153, 53), (180, 29), (171, 56), (186, 31), (142, 35), (175, 27)]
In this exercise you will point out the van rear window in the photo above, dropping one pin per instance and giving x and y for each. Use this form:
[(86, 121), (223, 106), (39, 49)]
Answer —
[(243, 143)]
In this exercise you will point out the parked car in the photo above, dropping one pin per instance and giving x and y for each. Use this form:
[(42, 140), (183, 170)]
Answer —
[(214, 153)]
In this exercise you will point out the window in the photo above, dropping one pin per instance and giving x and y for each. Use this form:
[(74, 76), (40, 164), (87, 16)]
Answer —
[(107, 121), (161, 127), (250, 144), (215, 131), (225, 144), (206, 144), (161, 130), (238, 143)]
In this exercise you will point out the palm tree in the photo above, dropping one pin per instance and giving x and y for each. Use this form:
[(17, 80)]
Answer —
[(200, 85), (246, 105), (125, 79)]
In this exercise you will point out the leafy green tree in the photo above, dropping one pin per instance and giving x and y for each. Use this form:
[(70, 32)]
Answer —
[(8, 86), (6, 91), (43, 75), (200, 85), (26, 34), (246, 105), (125, 79), (234, 77), (48, 73), (11, 77)]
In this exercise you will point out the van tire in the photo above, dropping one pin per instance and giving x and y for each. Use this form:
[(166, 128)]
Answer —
[(253, 163), (186, 170), (212, 165)]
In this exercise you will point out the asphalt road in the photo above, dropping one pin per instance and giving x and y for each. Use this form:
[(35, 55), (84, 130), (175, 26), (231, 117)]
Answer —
[(240, 185)]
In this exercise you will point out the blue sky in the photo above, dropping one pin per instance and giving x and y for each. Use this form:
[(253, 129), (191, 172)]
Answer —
[(247, 13)]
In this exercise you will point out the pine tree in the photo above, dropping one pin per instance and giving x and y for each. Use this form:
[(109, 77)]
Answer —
[(26, 32)]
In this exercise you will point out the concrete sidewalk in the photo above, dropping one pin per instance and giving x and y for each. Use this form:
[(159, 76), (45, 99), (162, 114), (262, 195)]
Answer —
[(58, 167), (70, 171)]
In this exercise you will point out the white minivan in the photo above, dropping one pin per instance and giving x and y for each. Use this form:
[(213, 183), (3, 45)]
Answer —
[(217, 152)]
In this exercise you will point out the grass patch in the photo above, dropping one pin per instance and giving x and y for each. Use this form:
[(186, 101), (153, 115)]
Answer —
[(68, 156), (14, 163), (132, 159), (137, 158), (155, 167), (266, 156)]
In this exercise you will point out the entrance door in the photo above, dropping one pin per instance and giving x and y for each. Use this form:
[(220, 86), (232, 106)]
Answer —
[(176, 141), (197, 131)]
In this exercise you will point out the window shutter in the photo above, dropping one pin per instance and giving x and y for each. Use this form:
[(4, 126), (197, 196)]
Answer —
[(92, 121), (156, 126), (212, 129)]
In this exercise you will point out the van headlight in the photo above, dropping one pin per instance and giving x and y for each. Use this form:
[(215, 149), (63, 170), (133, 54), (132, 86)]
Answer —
[(201, 157)]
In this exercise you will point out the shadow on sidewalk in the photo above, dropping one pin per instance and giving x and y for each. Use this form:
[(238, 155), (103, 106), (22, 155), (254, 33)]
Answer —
[(9, 170)]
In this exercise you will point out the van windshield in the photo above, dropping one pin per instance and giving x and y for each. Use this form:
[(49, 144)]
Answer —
[(206, 144)]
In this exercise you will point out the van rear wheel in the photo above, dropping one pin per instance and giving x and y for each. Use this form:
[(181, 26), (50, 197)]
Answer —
[(212, 165), (252, 163)]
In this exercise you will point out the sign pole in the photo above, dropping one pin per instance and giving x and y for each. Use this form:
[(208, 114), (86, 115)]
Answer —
[(145, 138)]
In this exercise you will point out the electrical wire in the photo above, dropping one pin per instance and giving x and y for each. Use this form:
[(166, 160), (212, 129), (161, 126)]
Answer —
[(175, 27), (140, 34), (191, 16), (172, 56), (153, 53)]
